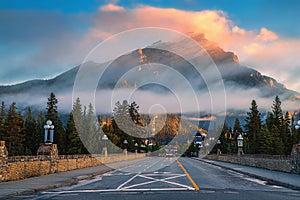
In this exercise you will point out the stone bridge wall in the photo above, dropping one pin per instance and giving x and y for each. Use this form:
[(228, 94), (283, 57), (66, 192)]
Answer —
[(276, 163), (19, 167)]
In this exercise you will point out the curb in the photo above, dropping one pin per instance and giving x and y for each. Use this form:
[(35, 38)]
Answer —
[(70, 182), (268, 180)]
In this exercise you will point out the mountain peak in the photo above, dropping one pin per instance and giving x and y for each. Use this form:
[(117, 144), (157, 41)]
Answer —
[(214, 50)]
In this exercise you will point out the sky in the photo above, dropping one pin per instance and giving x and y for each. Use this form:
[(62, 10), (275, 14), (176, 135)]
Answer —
[(40, 39)]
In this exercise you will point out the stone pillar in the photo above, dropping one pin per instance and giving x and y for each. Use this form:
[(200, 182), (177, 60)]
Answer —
[(105, 151), (49, 151), (295, 159), (53, 158), (3, 161), (240, 151)]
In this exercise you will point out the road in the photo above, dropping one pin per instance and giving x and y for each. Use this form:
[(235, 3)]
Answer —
[(167, 178)]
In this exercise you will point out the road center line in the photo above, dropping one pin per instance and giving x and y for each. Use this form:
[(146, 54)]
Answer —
[(188, 175)]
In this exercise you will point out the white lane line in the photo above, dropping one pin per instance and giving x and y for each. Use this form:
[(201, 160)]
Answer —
[(120, 186), (159, 189), (254, 180), (139, 184), (129, 180), (154, 180), (163, 174), (168, 178), (166, 181), (231, 192)]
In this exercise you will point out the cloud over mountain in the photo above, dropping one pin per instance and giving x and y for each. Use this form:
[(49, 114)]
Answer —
[(43, 43), (262, 49)]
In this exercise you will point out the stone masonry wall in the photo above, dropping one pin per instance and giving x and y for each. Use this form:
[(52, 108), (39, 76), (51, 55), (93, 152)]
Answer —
[(18, 168), (3, 160), (272, 163)]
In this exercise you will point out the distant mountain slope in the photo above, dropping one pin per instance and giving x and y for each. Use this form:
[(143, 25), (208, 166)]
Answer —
[(234, 75)]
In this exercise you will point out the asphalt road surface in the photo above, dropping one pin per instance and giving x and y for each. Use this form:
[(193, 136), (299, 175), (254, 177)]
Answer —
[(166, 178)]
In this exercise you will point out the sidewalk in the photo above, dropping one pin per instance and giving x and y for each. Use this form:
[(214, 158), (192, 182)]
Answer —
[(291, 181), (35, 184)]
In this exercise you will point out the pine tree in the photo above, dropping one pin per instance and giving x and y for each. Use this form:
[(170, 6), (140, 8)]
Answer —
[(75, 144), (270, 120), (134, 113), (224, 140), (288, 143), (264, 141), (60, 137), (52, 108), (92, 135), (277, 144), (253, 126), (78, 116), (121, 117), (14, 135), (277, 112), (278, 128), (237, 126), (75, 129), (40, 128), (30, 130)]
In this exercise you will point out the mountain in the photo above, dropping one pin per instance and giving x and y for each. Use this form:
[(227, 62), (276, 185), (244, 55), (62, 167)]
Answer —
[(234, 75)]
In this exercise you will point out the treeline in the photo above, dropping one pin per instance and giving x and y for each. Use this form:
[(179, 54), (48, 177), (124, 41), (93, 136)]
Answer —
[(141, 133), (24, 134), (83, 132), (275, 135)]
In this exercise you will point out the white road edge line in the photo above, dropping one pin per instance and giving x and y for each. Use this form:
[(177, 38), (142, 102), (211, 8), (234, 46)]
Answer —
[(114, 190)]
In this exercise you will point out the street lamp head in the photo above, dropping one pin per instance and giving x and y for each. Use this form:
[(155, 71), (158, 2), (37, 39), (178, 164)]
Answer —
[(52, 126), (297, 126), (136, 144), (240, 141), (125, 142), (105, 138), (49, 122)]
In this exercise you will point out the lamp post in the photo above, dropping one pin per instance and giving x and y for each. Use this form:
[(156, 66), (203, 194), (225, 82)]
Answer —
[(240, 145), (125, 144), (297, 126), (49, 127), (199, 150), (105, 139), (143, 148), (136, 145), (295, 154), (48, 147), (219, 147)]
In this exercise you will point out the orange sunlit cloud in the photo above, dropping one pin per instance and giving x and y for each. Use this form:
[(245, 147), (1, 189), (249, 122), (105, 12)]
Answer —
[(256, 48), (111, 7), (215, 24), (266, 35)]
